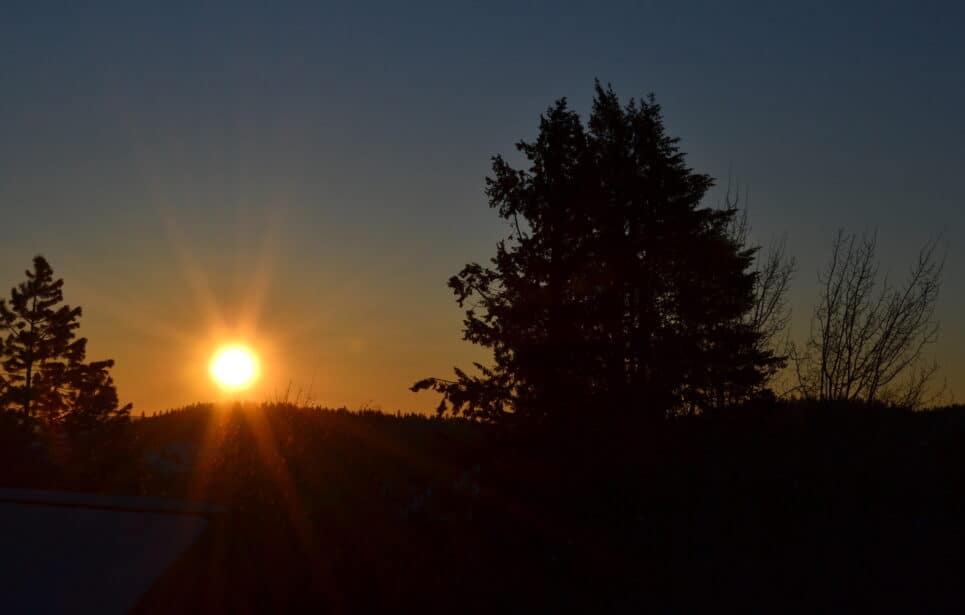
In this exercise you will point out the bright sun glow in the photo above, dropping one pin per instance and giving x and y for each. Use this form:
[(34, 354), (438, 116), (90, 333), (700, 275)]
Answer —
[(234, 367)]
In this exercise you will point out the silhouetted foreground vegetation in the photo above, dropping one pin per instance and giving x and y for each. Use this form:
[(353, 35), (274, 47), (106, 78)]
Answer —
[(778, 506), (619, 293), (617, 289), (46, 382)]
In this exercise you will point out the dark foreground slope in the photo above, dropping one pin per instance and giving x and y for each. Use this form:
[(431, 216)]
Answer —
[(778, 508)]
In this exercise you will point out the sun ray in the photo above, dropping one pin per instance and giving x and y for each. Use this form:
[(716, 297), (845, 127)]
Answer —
[(193, 274), (270, 454)]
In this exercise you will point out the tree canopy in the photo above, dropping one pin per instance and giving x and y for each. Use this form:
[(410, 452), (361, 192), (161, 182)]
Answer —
[(616, 291), (45, 375)]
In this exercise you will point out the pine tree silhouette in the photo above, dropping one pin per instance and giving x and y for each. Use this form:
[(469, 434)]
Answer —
[(615, 291), (43, 360)]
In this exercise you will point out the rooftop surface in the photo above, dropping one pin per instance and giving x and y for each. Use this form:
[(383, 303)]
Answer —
[(70, 552)]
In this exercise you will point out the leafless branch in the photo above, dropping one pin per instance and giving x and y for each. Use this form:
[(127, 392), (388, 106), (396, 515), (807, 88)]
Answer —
[(868, 337)]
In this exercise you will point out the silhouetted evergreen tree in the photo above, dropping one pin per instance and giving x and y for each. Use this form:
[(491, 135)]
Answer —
[(615, 291), (91, 398), (45, 374)]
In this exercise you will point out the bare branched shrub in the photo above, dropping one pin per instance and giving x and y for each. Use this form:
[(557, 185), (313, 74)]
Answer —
[(771, 314), (773, 272), (867, 336)]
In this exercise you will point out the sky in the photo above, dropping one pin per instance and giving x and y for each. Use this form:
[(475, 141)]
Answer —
[(304, 177)]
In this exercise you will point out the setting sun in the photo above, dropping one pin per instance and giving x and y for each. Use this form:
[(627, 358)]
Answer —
[(234, 367)]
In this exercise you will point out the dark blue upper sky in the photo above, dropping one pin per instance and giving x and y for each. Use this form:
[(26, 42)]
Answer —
[(330, 157)]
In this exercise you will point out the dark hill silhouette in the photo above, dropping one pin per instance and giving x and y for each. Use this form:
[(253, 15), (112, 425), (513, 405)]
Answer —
[(777, 506)]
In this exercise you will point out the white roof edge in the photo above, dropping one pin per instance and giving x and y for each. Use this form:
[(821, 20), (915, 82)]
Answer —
[(108, 502)]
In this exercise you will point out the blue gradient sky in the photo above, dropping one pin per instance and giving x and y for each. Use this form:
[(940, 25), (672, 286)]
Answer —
[(307, 177)]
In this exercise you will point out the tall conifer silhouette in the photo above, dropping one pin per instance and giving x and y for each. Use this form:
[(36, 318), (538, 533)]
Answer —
[(46, 376), (616, 292)]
